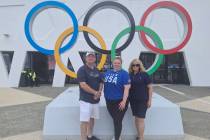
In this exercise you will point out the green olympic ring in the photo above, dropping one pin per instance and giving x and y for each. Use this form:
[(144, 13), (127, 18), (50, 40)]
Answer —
[(159, 57)]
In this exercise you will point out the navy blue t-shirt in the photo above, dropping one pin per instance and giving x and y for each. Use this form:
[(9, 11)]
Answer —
[(93, 78), (114, 82), (139, 83)]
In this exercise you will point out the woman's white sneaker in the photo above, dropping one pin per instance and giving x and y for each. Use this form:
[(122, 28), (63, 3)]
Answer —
[(114, 138)]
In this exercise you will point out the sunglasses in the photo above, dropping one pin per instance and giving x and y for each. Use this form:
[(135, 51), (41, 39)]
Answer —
[(135, 65)]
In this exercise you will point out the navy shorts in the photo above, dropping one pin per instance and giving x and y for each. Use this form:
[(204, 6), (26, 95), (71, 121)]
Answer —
[(139, 108)]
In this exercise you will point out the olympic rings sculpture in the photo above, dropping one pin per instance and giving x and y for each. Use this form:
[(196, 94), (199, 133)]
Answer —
[(158, 48)]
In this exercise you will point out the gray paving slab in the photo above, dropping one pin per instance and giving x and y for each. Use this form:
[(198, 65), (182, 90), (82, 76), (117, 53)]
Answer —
[(47, 91), (20, 119), (191, 92), (196, 123), (173, 97)]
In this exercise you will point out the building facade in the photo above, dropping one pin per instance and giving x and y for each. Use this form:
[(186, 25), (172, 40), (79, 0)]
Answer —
[(189, 65)]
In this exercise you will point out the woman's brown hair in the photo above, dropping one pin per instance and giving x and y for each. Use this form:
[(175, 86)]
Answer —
[(117, 58)]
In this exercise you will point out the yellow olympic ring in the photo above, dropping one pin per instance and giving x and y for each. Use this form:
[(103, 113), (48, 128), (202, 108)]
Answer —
[(68, 32)]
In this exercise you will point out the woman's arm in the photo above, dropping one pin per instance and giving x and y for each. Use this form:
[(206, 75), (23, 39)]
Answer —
[(150, 90), (126, 92), (125, 97)]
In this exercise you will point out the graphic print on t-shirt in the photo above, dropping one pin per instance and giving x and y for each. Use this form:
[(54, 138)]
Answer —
[(111, 78)]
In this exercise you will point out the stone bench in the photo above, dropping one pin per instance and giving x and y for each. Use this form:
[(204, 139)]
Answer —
[(61, 122)]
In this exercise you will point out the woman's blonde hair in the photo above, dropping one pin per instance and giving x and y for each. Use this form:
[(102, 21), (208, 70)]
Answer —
[(136, 61)]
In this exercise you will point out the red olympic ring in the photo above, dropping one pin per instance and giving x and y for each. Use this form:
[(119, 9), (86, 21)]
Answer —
[(183, 14)]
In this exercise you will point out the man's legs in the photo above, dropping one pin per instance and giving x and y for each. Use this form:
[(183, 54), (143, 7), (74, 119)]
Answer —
[(94, 115), (87, 129), (84, 119), (90, 127), (83, 130), (88, 114)]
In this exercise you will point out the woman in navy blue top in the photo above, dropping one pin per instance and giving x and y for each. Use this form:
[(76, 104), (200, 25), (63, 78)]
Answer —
[(116, 89), (140, 95)]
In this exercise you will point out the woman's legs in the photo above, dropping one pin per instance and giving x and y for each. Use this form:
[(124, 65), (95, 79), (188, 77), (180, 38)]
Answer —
[(140, 125), (117, 129), (139, 109), (117, 116)]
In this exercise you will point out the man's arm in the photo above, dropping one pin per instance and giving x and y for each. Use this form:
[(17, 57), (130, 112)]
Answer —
[(101, 87), (98, 95), (87, 88)]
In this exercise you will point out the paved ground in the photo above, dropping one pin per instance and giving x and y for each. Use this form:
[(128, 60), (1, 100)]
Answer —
[(22, 110)]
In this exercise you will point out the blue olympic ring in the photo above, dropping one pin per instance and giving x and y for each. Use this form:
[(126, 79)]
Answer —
[(35, 11)]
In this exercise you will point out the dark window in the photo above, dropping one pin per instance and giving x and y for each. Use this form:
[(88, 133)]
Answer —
[(172, 70)]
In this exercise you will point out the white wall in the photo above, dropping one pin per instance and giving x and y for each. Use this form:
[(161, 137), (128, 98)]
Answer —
[(51, 23)]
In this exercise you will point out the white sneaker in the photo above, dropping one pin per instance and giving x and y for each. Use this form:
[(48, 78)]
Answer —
[(114, 138)]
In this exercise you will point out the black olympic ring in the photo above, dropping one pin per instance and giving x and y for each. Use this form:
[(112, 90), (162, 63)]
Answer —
[(119, 7)]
